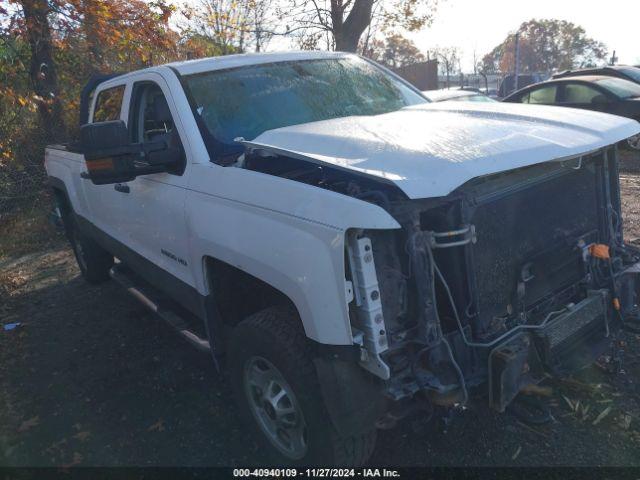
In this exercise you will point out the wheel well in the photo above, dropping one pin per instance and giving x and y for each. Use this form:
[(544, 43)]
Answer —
[(62, 201), (238, 294)]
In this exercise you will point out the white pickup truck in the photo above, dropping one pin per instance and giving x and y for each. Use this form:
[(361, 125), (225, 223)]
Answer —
[(352, 253)]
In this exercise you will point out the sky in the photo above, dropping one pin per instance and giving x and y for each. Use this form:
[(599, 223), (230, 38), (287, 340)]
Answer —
[(480, 25)]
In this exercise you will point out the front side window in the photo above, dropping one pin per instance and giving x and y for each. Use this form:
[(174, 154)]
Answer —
[(579, 93), (151, 118), (108, 104), (247, 101), (542, 95)]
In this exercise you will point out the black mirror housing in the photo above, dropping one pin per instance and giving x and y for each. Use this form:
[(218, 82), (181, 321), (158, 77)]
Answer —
[(108, 154), (111, 158)]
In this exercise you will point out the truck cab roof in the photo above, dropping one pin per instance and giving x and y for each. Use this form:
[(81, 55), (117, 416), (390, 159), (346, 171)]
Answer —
[(224, 62)]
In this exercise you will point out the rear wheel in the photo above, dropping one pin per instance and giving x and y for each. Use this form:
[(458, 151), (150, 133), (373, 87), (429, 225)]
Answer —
[(93, 260), (275, 382)]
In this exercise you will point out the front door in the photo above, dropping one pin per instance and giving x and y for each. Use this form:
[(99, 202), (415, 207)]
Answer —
[(152, 207)]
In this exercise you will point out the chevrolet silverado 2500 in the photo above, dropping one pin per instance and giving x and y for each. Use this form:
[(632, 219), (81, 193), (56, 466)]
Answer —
[(349, 252)]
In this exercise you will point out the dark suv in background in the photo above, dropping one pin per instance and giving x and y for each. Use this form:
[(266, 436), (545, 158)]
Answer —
[(591, 92), (625, 72)]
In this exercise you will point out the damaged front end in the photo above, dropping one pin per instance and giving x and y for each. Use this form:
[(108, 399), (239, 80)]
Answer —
[(509, 278)]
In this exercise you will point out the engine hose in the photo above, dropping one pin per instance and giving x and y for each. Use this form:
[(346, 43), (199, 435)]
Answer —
[(463, 383)]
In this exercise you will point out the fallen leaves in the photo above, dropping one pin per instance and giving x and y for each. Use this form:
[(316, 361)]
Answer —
[(624, 421), (82, 436), (28, 424), (602, 415), (76, 460), (157, 427), (515, 455)]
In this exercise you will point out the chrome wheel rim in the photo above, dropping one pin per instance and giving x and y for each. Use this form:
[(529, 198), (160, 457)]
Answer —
[(275, 407), (634, 142)]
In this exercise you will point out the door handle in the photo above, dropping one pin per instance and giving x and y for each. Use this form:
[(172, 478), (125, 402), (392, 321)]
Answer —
[(121, 187)]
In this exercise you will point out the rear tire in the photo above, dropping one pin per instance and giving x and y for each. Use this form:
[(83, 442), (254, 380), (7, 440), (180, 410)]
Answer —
[(270, 359), (93, 260)]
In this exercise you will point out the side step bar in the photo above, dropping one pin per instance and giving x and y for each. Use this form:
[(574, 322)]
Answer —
[(121, 275)]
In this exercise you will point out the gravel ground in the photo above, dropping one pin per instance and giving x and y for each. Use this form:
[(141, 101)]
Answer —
[(91, 378)]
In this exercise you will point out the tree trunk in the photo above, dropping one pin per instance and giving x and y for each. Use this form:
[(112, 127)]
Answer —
[(42, 72), (90, 27), (347, 33)]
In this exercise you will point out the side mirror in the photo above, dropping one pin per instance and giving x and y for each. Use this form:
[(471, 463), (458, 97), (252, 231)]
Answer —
[(111, 158), (108, 154)]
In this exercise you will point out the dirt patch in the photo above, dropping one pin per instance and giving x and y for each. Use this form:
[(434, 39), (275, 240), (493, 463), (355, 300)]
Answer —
[(91, 378), (629, 161)]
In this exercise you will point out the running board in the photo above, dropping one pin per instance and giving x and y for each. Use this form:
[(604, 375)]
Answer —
[(121, 275)]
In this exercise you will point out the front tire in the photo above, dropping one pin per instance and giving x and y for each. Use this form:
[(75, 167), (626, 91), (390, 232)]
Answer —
[(275, 382)]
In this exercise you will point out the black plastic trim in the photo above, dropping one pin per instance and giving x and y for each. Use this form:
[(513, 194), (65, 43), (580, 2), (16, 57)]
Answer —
[(183, 293), (58, 184)]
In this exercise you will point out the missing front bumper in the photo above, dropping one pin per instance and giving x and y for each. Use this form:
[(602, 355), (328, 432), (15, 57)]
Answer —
[(569, 341)]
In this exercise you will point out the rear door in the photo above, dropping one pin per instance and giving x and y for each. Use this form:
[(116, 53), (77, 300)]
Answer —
[(103, 200)]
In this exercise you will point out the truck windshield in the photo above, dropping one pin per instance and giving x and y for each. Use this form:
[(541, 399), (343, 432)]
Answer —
[(246, 101)]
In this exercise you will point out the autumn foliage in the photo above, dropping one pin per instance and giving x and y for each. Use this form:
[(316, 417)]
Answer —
[(49, 49)]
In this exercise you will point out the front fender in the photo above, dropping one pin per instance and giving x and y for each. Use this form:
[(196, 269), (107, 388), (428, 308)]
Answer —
[(287, 234)]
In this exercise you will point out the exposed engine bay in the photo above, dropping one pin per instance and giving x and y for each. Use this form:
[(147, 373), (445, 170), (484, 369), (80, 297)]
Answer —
[(509, 278)]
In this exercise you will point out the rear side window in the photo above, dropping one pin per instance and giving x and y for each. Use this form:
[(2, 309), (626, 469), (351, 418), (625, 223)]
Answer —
[(542, 95), (108, 104), (578, 93)]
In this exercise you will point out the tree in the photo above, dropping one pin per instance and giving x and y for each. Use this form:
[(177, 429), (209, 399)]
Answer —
[(546, 45), (231, 25), (42, 69), (345, 21), (219, 21), (448, 60), (394, 51), (48, 50), (117, 34), (259, 23)]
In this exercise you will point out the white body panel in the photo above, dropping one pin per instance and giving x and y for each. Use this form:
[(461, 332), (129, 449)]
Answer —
[(152, 214), (291, 235), (288, 234), (430, 150), (66, 166)]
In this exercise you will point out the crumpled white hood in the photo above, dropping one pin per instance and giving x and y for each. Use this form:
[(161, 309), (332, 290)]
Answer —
[(429, 150)]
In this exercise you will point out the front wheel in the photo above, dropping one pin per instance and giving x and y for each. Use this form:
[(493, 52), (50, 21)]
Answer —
[(275, 382)]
